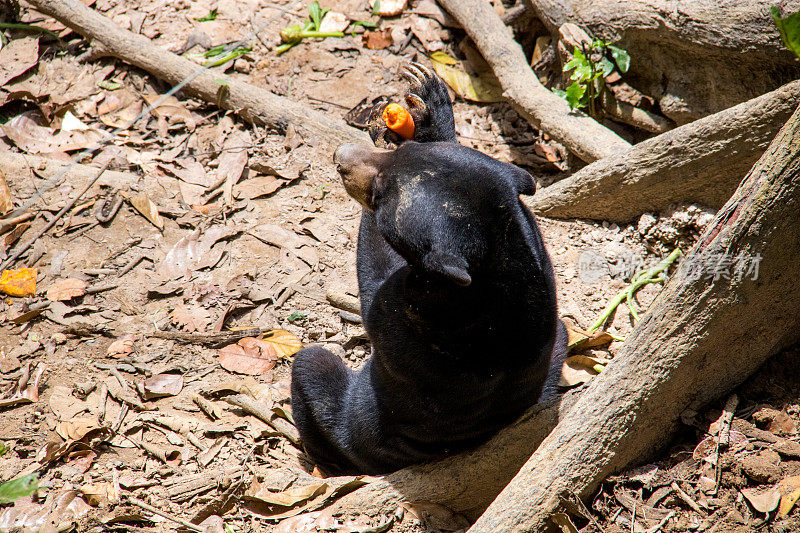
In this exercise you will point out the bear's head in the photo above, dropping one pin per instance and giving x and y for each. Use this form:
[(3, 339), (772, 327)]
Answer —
[(438, 204)]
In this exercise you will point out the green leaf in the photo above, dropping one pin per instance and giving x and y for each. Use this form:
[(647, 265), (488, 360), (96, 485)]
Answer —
[(577, 60), (316, 14), (789, 29), (376, 9), (606, 67), (365, 23), (18, 488), (621, 58), (212, 15), (574, 94), (215, 51), (109, 85)]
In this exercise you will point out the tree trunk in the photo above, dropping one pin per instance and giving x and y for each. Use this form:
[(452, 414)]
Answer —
[(700, 338), (578, 132), (468, 482), (253, 104), (696, 57), (701, 162)]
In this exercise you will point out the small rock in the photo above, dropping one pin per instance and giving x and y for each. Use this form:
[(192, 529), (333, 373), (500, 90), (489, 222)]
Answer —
[(763, 467), (336, 349), (646, 222)]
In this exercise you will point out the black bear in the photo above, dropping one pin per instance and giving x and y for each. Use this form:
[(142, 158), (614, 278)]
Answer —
[(457, 295)]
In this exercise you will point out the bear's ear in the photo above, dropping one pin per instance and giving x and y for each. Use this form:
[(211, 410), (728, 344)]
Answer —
[(523, 181), (448, 266)]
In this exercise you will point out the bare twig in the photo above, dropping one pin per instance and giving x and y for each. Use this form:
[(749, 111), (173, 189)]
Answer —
[(261, 411), (212, 339), (7, 224), (723, 437), (686, 498), (132, 263), (159, 512), (344, 302), (656, 528)]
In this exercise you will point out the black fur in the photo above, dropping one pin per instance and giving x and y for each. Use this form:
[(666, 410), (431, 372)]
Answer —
[(458, 298)]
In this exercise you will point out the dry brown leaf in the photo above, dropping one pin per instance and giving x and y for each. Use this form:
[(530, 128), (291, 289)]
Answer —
[(193, 318), (30, 394), (579, 339), (427, 31), (8, 361), (232, 162), (430, 9), (18, 56), (564, 522), (549, 152), (579, 369), (76, 428), (302, 247), (248, 356), (789, 489), (707, 448), (258, 186), (245, 385), (148, 209), (336, 489), (283, 342), (100, 493), (287, 498), (160, 385), (25, 131), (66, 289), (208, 209), (20, 282), (119, 108), (6, 200), (171, 111), (763, 499), (377, 40), (196, 251), (122, 347), (309, 523), (14, 235), (63, 510)]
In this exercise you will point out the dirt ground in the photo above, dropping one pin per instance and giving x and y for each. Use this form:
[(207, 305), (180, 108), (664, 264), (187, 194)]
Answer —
[(119, 414)]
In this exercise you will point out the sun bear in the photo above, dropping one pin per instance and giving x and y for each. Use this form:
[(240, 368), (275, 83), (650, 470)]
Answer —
[(457, 295)]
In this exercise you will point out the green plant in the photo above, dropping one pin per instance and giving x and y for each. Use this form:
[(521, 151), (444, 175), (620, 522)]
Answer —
[(308, 30), (223, 53), (297, 318), (17, 488), (789, 28), (212, 15), (590, 66), (639, 280)]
